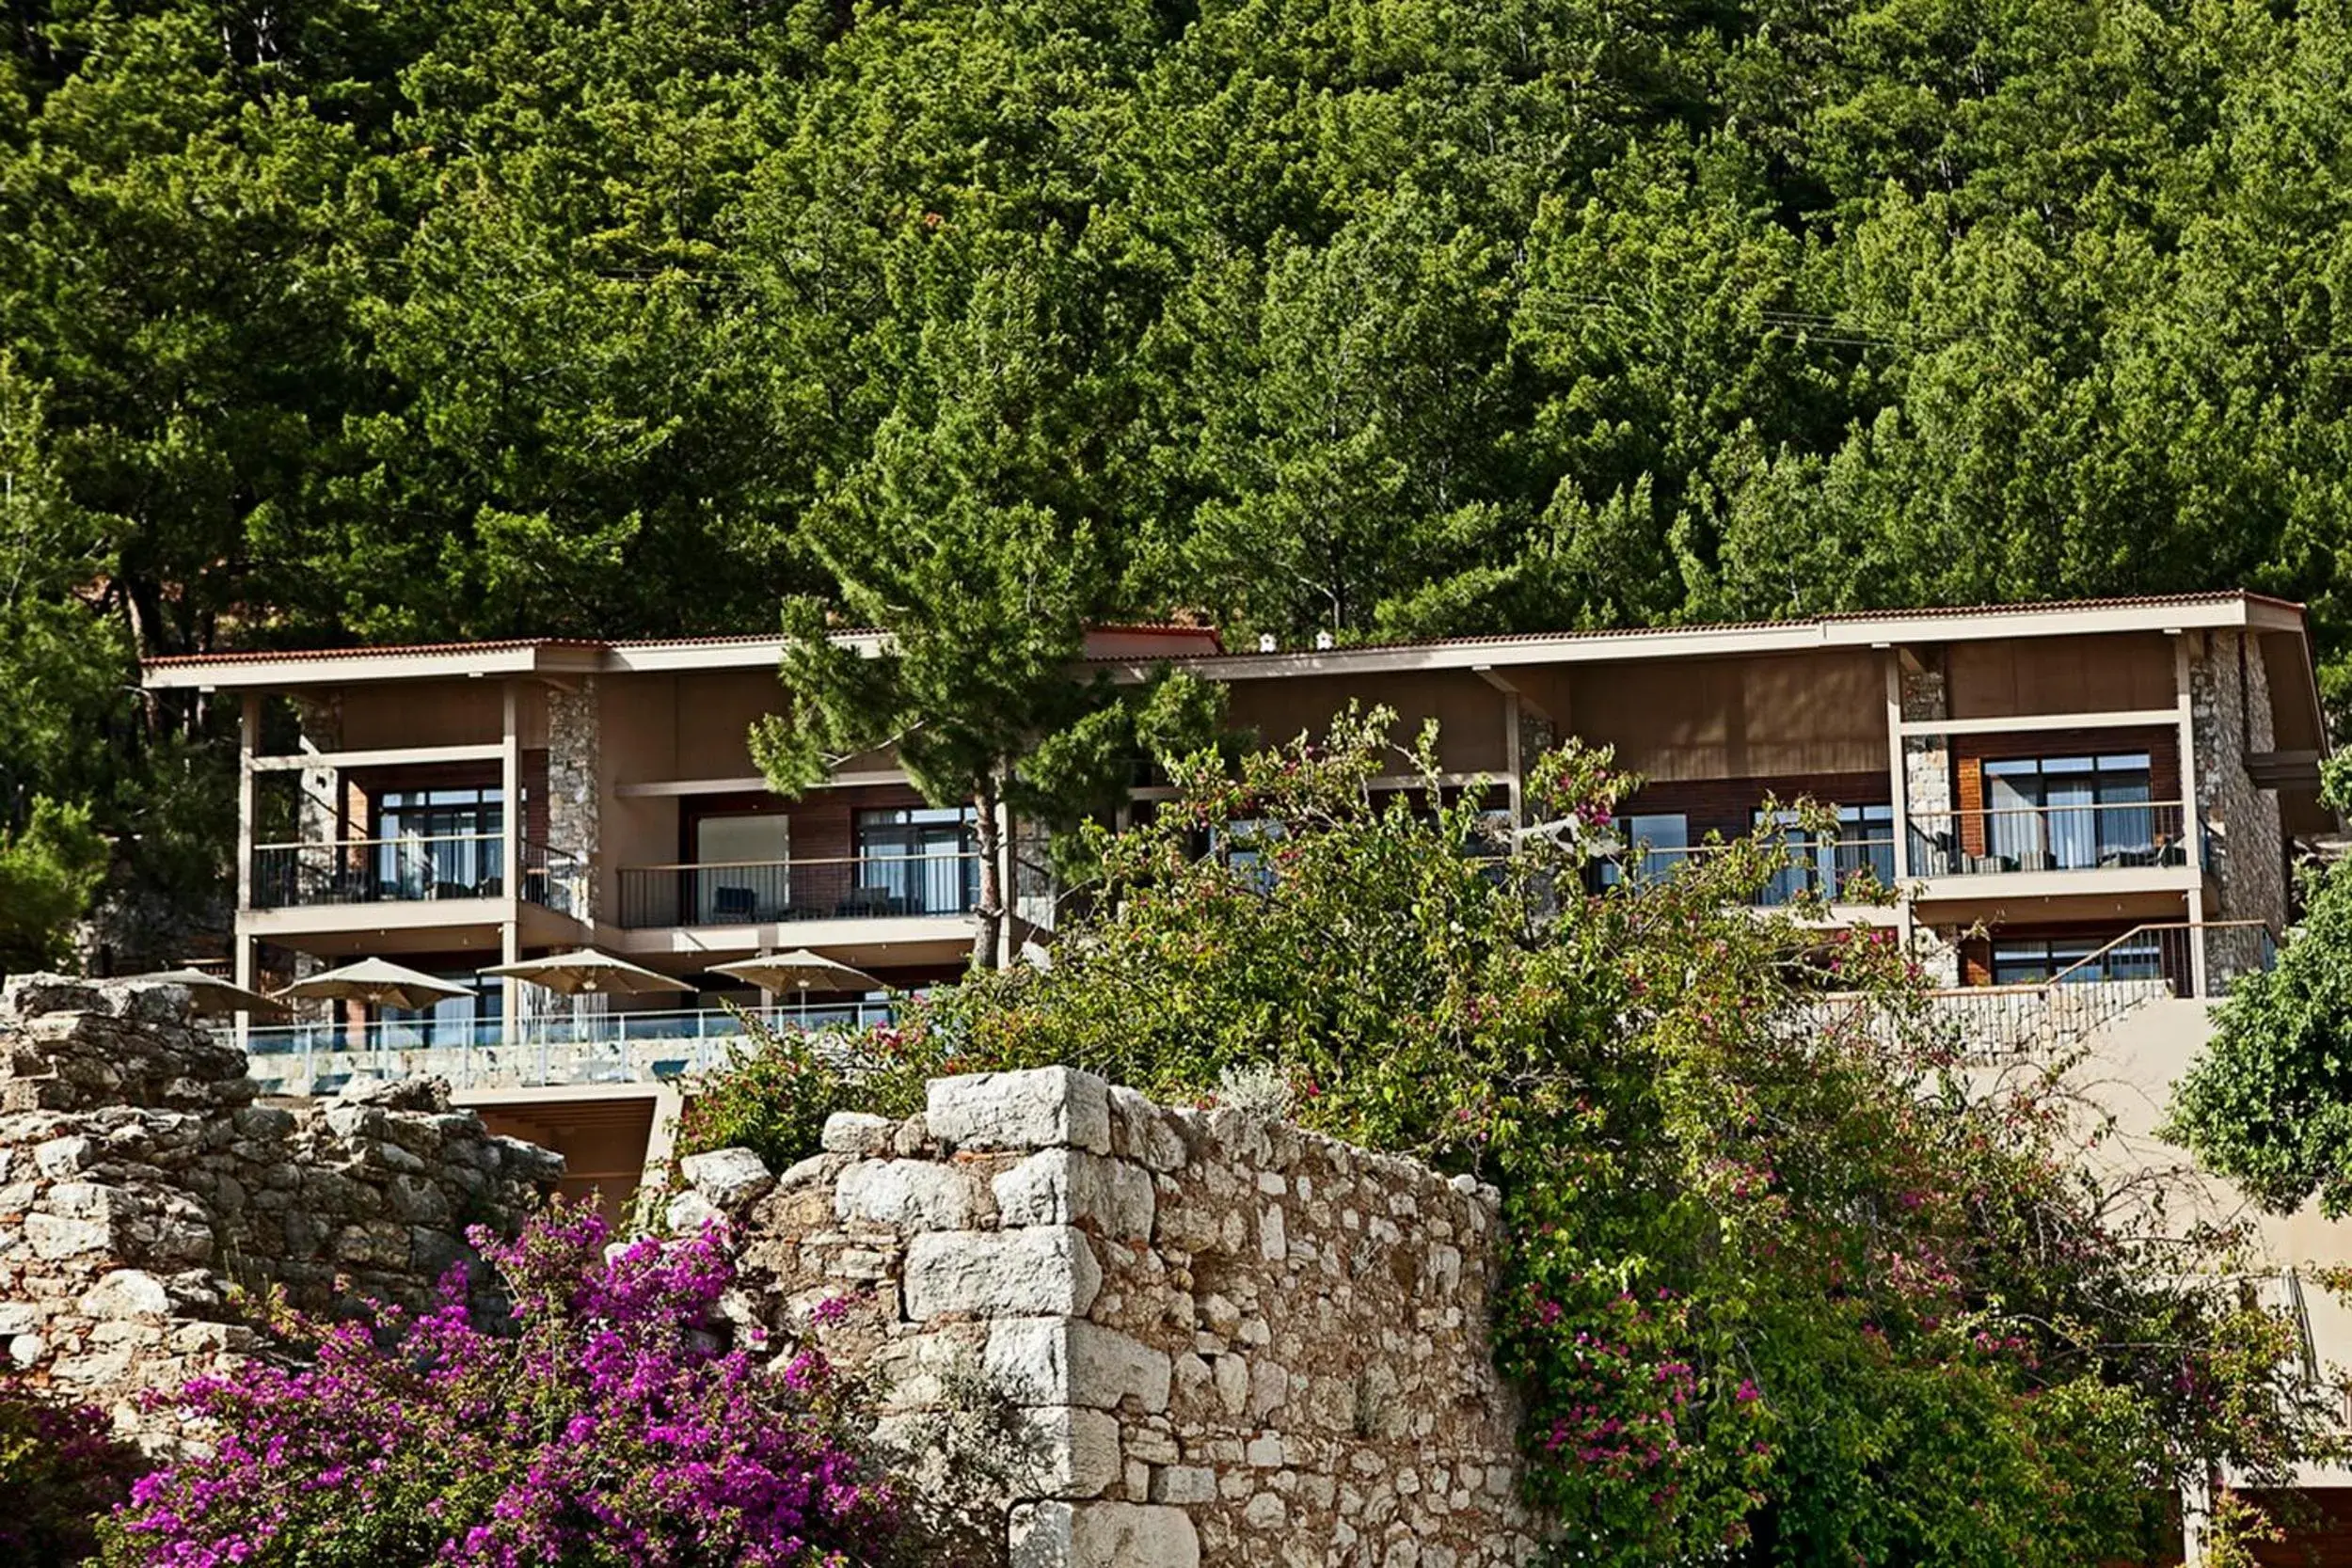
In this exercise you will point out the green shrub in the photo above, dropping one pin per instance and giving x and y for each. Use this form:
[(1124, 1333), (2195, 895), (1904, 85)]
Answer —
[(1779, 1270)]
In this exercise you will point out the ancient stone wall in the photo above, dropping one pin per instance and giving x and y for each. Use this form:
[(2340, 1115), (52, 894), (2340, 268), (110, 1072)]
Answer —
[(1212, 1338), (142, 1187)]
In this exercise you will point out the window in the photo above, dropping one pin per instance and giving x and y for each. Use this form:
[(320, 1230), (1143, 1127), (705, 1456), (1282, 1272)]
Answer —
[(2069, 814), (1864, 840), (1655, 844), (2032, 960), (1244, 845), (439, 843), (917, 859)]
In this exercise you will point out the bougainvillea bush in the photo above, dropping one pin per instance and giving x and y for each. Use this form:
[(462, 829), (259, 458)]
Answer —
[(61, 1468), (1794, 1280), (604, 1430)]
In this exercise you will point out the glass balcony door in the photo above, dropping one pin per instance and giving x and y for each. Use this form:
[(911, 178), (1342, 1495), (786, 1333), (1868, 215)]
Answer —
[(917, 859), (2069, 814), (439, 843)]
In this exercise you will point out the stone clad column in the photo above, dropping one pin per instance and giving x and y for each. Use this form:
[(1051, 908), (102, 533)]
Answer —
[(575, 784)]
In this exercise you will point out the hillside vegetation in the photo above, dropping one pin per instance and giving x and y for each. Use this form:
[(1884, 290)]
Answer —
[(339, 320)]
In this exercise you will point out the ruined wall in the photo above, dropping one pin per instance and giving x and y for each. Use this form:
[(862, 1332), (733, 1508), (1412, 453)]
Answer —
[(1215, 1338), (140, 1181)]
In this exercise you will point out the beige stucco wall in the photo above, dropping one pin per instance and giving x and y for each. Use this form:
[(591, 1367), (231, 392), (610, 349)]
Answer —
[(2131, 1066)]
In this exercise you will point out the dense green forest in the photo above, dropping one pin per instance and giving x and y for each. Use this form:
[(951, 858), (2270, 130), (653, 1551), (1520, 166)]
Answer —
[(374, 319)]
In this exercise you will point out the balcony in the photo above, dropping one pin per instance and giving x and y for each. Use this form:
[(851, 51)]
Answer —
[(757, 893), (2008, 840), (603, 1048), (411, 869)]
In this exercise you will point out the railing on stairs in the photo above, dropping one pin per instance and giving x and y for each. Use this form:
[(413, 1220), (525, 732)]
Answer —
[(2152, 962)]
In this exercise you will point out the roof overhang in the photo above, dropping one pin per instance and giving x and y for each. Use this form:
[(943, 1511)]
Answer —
[(562, 659), (1482, 654), (550, 659)]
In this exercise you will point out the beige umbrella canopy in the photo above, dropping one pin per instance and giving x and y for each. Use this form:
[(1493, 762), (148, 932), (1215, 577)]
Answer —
[(799, 970), (209, 995), (374, 981), (589, 970)]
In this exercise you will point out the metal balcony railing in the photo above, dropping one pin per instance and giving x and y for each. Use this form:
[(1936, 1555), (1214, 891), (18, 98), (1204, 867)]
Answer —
[(410, 869), (1997, 840), (765, 891), (1827, 867)]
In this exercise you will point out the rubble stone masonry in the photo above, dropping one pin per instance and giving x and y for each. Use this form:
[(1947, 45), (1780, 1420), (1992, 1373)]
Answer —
[(1217, 1339), (142, 1186)]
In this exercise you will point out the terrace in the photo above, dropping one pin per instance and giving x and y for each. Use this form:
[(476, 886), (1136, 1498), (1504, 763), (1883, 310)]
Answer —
[(613, 1047)]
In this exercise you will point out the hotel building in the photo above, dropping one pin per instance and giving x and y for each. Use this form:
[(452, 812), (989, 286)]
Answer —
[(2110, 792)]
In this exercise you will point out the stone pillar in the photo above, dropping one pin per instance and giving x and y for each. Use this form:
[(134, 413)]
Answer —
[(322, 814), (1928, 823), (2243, 843), (575, 790)]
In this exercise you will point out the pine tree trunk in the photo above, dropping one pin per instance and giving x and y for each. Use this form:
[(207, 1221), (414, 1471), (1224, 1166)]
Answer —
[(991, 906)]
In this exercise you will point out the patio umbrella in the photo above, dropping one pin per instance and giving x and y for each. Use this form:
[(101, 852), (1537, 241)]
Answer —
[(588, 970), (209, 995), (374, 981), (799, 970)]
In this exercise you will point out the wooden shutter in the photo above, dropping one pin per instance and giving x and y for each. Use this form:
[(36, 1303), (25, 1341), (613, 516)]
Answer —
[(1969, 799)]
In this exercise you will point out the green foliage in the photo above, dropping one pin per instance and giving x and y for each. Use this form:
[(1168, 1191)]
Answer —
[(48, 873), (772, 1096), (1783, 1264), (2269, 1102), (494, 316)]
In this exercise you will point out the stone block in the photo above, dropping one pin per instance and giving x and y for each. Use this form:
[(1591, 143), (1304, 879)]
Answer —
[(1070, 1186), (1269, 1388), (53, 1238), (688, 1212), (855, 1132), (1145, 1134), (1103, 1535), (808, 1172), (1054, 1107), (1182, 1484), (1038, 1272), (912, 1195), (65, 1156), (1069, 1361), (127, 1294), (1064, 1451), (727, 1175)]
